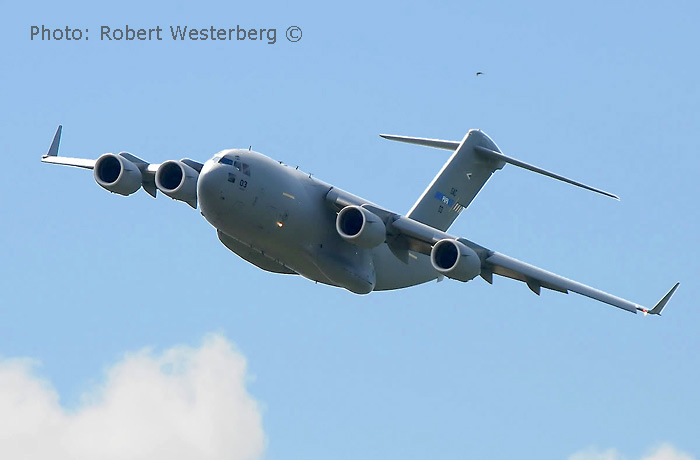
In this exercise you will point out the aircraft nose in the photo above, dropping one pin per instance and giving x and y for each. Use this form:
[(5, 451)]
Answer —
[(209, 189)]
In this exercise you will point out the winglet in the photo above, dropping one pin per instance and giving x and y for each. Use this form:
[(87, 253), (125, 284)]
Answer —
[(53, 150), (662, 303)]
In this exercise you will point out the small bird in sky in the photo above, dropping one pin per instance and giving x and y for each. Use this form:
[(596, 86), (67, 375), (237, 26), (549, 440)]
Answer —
[(479, 73)]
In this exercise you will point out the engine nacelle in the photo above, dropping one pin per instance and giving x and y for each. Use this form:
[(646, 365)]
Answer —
[(360, 227), (455, 260), (178, 181), (117, 174)]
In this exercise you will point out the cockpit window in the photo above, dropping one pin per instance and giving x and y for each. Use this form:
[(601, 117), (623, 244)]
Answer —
[(242, 167), (236, 163)]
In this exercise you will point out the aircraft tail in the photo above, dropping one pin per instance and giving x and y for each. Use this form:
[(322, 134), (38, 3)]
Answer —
[(471, 165), (457, 183)]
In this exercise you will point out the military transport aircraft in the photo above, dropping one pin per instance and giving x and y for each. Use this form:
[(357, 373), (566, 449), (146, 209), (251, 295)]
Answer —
[(284, 221)]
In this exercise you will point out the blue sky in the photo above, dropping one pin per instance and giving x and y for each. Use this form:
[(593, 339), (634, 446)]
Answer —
[(604, 92)]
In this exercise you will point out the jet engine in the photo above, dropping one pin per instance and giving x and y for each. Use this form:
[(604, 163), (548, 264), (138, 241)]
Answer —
[(455, 260), (360, 227), (178, 181), (117, 174)]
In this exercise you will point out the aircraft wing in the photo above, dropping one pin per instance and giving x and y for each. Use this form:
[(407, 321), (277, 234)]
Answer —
[(52, 155), (537, 278), (406, 233), (148, 170)]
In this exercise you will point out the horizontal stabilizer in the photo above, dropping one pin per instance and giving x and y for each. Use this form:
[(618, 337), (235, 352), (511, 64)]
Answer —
[(435, 143), (492, 154)]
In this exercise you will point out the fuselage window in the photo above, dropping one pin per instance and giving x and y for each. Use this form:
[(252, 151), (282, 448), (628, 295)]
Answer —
[(226, 161)]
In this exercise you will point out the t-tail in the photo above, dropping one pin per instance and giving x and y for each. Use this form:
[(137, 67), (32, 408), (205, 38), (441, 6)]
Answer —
[(471, 165)]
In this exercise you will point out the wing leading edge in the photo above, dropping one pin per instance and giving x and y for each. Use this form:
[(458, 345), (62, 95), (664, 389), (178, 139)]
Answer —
[(148, 170), (537, 278), (420, 238), (405, 234)]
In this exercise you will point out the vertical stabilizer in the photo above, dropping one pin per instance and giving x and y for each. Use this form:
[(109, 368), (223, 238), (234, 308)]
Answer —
[(457, 183)]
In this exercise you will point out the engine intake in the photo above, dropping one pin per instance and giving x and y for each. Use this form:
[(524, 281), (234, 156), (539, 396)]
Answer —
[(360, 227), (455, 260), (178, 181), (117, 174)]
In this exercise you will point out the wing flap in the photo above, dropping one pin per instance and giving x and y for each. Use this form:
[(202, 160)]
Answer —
[(512, 273)]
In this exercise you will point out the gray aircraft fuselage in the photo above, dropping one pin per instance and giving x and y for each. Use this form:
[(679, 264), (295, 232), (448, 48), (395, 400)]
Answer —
[(282, 220), (278, 218)]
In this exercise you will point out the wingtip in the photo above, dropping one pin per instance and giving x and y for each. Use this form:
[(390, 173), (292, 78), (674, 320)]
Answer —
[(608, 194), (658, 308), (53, 150)]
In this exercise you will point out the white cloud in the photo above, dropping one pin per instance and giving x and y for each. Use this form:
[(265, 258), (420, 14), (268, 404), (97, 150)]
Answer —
[(593, 454), (183, 403), (664, 452), (668, 452)]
